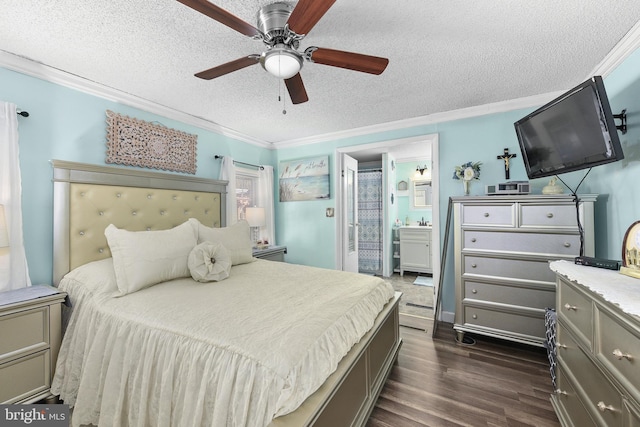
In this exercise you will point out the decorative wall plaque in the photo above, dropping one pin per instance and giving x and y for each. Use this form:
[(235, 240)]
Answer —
[(134, 142)]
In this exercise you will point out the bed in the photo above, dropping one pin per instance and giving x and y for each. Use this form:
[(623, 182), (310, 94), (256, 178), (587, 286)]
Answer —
[(271, 344)]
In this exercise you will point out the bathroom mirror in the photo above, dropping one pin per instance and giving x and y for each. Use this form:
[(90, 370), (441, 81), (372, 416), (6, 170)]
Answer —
[(420, 194)]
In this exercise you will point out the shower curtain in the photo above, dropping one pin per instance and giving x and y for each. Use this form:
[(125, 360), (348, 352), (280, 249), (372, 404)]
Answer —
[(370, 219)]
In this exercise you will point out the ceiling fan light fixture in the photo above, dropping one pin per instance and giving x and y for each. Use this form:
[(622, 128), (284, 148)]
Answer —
[(282, 63)]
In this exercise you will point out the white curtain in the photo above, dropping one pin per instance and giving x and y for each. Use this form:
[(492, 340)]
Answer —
[(228, 173), (265, 200), (14, 272)]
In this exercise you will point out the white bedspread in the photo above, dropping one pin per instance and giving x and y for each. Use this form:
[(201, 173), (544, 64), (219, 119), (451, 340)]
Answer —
[(238, 352)]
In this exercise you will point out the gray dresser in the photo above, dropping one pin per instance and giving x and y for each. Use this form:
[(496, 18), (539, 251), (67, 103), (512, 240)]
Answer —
[(502, 246), (598, 347), (30, 337)]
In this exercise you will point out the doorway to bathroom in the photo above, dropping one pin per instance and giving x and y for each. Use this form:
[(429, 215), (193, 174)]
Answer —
[(382, 202)]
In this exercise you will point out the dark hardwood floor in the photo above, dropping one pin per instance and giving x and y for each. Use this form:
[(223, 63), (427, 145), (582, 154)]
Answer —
[(437, 382)]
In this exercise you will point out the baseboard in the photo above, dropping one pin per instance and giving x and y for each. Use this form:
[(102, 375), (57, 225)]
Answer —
[(447, 317)]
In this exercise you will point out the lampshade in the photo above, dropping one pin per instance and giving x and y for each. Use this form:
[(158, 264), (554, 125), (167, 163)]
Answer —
[(281, 62), (255, 216), (4, 235)]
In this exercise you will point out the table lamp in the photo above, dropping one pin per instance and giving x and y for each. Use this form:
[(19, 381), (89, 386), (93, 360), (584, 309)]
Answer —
[(255, 218)]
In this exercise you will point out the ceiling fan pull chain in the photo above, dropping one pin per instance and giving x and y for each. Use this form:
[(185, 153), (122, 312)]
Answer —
[(284, 105), (284, 97)]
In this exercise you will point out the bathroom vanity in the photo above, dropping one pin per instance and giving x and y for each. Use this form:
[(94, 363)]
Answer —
[(415, 249)]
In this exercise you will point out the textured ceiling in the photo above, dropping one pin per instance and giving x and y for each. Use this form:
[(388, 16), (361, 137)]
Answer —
[(443, 56)]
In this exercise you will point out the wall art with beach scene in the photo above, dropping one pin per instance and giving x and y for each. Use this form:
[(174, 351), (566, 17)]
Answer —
[(304, 179)]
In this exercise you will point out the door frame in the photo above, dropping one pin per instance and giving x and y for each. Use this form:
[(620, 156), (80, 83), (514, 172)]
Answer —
[(385, 147)]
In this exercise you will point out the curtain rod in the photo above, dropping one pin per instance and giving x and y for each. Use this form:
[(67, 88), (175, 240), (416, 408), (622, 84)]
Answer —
[(241, 163), (22, 113)]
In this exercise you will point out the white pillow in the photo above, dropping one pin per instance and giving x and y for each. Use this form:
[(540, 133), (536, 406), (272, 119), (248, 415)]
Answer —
[(235, 238), (96, 277), (209, 262), (145, 258)]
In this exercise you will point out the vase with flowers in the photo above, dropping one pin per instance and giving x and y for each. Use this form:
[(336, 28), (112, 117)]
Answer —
[(467, 172)]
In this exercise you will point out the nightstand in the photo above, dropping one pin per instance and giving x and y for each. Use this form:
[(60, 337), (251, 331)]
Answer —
[(271, 253), (30, 337)]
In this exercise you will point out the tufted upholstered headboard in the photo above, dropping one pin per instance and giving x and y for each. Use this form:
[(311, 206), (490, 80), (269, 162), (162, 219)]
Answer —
[(87, 198)]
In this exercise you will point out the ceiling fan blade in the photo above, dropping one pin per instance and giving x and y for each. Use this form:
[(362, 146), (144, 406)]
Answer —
[(307, 13), (222, 16), (229, 67), (296, 89), (351, 61)]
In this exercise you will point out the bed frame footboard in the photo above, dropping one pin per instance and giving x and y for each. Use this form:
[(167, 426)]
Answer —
[(350, 393)]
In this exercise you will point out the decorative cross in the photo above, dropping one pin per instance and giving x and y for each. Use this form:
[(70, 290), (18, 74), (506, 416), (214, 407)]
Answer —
[(506, 157)]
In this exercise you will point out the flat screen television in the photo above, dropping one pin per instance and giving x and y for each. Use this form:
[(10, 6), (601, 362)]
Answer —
[(574, 131)]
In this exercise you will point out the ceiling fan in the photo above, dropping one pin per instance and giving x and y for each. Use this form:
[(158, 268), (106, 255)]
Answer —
[(281, 27)]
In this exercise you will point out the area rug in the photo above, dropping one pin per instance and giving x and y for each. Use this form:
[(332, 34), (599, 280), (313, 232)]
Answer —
[(416, 300), (423, 281)]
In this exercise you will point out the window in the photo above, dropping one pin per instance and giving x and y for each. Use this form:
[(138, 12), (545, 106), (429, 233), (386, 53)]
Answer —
[(246, 191)]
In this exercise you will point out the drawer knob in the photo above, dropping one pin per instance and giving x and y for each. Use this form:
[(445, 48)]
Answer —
[(558, 391), (570, 307), (474, 265), (486, 214), (475, 316), (549, 215), (604, 407), (473, 240), (567, 245), (474, 291), (620, 355)]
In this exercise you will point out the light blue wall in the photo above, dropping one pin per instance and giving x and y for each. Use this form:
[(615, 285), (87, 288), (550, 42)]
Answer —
[(69, 125), (482, 139), (618, 205), (475, 139), (66, 124)]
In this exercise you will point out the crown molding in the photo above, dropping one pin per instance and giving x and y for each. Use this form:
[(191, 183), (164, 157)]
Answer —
[(464, 113), (32, 68), (625, 47)]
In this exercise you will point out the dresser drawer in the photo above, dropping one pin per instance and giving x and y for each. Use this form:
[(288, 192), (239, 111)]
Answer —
[(24, 377), (493, 215), (539, 243), (618, 348), (576, 311), (515, 323), (24, 332), (567, 397), (596, 388), (509, 268), (509, 294), (548, 216)]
